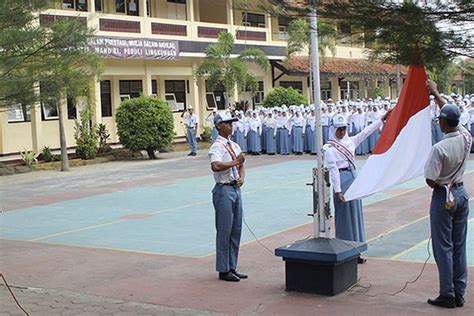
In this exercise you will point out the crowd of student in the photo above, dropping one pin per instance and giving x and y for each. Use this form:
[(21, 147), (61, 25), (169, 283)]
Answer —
[(291, 129)]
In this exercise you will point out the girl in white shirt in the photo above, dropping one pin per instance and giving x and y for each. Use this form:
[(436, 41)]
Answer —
[(339, 157)]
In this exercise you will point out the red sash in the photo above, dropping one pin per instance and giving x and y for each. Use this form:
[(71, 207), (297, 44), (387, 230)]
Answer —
[(343, 151)]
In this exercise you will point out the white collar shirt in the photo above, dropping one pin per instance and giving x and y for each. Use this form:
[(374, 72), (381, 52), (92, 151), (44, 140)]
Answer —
[(218, 152), (447, 155)]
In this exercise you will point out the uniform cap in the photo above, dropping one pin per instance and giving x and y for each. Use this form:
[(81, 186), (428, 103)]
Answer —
[(224, 117), (450, 112), (339, 120)]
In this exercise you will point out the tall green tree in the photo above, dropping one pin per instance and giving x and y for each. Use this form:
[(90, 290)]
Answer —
[(221, 69), (54, 58), (299, 37)]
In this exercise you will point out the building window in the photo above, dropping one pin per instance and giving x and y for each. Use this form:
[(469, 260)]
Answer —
[(260, 95), (253, 19), (283, 23), (297, 85), (176, 9), (130, 7), (154, 87), (18, 112), (176, 89), (325, 89), (71, 108), (353, 90), (215, 98), (99, 4), (49, 104), (131, 88), (106, 98), (78, 5)]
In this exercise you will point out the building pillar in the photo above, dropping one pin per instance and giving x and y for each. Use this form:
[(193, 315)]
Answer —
[(335, 89), (197, 15), (37, 124), (91, 6), (141, 7), (96, 105), (3, 131), (147, 88), (190, 10), (198, 106), (269, 28), (230, 12)]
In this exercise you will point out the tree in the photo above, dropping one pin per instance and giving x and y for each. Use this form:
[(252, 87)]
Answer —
[(395, 28), (299, 37), (467, 70), (281, 95), (223, 70), (145, 123), (52, 57)]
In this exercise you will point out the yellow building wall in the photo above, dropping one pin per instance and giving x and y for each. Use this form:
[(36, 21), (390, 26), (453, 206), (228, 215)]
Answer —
[(17, 137)]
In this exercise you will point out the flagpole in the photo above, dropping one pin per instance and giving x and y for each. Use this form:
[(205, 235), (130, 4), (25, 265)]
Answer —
[(319, 216)]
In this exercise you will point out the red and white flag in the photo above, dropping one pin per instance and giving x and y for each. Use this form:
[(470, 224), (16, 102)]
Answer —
[(405, 143)]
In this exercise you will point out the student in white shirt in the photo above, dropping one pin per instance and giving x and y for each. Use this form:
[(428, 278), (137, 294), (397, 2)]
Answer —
[(339, 157), (227, 165)]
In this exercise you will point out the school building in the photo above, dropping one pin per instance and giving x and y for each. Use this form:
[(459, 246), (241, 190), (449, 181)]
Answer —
[(151, 47)]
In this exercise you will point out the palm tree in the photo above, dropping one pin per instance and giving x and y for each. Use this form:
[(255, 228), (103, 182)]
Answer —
[(223, 70)]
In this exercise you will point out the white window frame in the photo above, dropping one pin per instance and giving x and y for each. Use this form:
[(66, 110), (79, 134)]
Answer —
[(172, 101), (124, 97), (15, 109), (209, 108)]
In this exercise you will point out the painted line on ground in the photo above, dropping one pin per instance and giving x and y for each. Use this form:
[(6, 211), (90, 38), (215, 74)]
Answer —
[(157, 212)]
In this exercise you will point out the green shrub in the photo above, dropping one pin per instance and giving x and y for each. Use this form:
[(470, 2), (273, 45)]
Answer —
[(46, 154), (103, 135), (206, 134), (29, 157), (281, 95), (85, 136), (145, 123)]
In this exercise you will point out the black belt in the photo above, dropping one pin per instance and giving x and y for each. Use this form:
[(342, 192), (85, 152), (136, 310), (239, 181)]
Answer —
[(233, 183), (345, 169)]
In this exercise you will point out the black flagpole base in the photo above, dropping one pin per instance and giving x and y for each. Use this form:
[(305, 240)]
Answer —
[(321, 265)]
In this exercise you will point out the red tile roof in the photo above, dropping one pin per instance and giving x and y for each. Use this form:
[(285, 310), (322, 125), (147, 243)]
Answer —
[(343, 66)]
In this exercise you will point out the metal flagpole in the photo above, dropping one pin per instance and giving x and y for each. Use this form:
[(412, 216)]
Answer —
[(319, 215)]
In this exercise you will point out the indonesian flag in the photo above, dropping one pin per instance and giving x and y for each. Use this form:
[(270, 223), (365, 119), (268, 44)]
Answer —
[(405, 143)]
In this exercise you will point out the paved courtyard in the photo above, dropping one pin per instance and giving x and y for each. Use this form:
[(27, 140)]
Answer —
[(137, 237)]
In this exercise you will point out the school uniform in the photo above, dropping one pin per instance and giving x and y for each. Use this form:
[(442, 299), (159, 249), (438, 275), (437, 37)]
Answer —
[(190, 122), (339, 157), (238, 135), (310, 134), (445, 166), (270, 136), (254, 136), (227, 201), (283, 135), (297, 131)]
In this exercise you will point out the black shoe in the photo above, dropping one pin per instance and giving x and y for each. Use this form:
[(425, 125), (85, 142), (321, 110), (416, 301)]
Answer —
[(228, 276), (190, 154), (193, 154), (459, 300), (239, 275), (443, 301), (361, 260)]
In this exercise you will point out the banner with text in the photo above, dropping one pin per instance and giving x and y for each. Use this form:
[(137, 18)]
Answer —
[(139, 48)]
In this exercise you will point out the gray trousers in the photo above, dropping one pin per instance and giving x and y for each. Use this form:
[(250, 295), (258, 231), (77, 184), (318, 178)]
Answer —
[(449, 233), (228, 207), (192, 139)]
